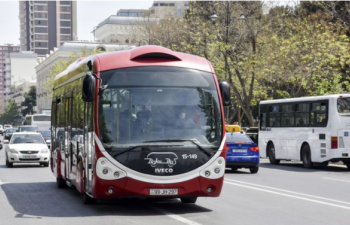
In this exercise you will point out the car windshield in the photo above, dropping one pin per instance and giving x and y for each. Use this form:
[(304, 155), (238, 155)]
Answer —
[(344, 105), (237, 138), (27, 139), (159, 103), (11, 130), (29, 128), (45, 132)]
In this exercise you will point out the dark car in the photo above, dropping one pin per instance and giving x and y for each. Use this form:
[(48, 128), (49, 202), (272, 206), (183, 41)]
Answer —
[(8, 133), (28, 128), (253, 133), (46, 134), (242, 152)]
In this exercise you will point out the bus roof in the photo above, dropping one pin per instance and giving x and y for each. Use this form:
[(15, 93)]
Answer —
[(141, 56), (301, 99)]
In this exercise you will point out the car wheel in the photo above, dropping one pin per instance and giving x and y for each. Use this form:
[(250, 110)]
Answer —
[(272, 155), (87, 200), (8, 163), (254, 169), (306, 157), (233, 168), (189, 200)]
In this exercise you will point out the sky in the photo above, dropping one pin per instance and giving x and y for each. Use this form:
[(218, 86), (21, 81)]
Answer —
[(89, 15)]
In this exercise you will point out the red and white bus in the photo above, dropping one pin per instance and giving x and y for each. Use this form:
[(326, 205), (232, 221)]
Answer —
[(146, 122)]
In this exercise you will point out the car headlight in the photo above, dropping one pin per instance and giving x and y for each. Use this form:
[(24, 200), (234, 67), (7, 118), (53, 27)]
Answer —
[(13, 151), (45, 150)]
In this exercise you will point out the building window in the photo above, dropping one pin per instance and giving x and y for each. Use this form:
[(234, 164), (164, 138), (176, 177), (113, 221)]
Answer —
[(155, 4), (41, 51), (41, 37), (41, 44), (41, 2), (41, 22), (65, 2), (65, 31), (40, 15), (65, 23), (65, 16), (40, 29), (40, 7), (65, 9), (65, 38)]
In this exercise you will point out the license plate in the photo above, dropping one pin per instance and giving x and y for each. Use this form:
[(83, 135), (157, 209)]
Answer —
[(163, 191), (29, 156), (239, 150)]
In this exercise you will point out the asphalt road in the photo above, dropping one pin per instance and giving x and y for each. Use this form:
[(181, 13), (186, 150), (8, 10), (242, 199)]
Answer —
[(283, 194)]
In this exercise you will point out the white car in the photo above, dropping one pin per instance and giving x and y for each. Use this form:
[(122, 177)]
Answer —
[(1, 130), (29, 147)]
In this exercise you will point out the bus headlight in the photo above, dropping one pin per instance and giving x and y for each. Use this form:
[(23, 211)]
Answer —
[(215, 170), (107, 171)]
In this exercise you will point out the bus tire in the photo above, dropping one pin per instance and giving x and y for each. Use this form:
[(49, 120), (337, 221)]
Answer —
[(189, 200), (347, 163), (306, 157), (61, 183), (272, 155), (87, 200), (254, 169)]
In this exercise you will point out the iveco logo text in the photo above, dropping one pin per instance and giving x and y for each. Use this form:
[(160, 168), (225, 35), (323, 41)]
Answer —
[(163, 170)]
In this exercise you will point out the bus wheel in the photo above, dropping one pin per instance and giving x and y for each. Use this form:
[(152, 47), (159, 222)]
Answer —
[(347, 163), (307, 163), (87, 200), (189, 200), (272, 155), (61, 183)]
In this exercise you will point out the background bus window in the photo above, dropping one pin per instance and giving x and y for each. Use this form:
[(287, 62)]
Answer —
[(302, 115), (343, 105), (275, 116), (319, 114), (287, 115)]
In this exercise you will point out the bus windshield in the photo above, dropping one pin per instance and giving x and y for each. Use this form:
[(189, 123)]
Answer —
[(41, 118), (343, 105), (159, 103)]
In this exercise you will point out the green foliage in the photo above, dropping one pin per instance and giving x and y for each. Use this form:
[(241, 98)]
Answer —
[(62, 65), (11, 113), (29, 101)]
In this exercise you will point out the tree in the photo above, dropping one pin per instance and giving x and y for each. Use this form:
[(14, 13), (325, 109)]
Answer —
[(29, 101), (63, 65), (11, 113)]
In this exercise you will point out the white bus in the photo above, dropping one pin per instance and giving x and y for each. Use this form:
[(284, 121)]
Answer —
[(42, 121), (314, 130)]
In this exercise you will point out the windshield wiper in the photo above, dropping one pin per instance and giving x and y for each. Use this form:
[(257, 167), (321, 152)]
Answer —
[(138, 146), (206, 151)]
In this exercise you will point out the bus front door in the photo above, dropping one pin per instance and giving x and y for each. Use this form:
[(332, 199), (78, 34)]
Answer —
[(89, 145)]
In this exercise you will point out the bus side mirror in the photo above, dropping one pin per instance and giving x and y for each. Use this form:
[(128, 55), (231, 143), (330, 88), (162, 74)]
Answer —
[(225, 93), (89, 85)]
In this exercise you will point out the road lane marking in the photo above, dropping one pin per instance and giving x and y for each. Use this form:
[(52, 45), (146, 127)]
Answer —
[(291, 196), (1, 183), (173, 216), (336, 179), (291, 192)]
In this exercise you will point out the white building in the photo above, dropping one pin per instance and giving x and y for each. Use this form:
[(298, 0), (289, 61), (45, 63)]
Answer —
[(160, 9), (20, 89), (20, 67), (44, 98)]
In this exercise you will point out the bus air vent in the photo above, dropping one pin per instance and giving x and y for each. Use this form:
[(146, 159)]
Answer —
[(153, 52)]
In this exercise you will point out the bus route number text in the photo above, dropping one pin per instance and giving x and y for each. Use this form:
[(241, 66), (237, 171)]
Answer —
[(189, 156)]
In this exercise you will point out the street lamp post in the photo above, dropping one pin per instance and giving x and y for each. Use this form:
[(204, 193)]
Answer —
[(214, 17)]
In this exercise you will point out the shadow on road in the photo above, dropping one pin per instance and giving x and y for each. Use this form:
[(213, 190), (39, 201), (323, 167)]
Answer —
[(36, 200), (298, 167)]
